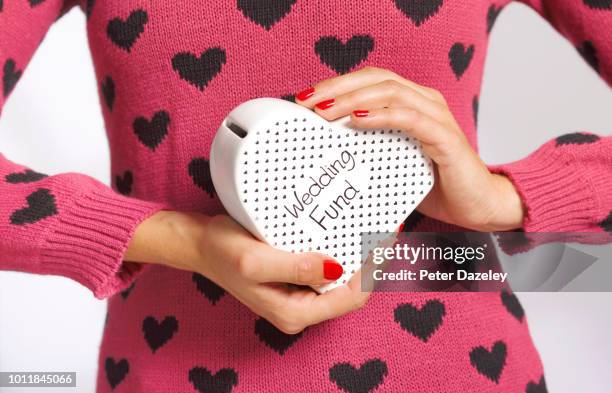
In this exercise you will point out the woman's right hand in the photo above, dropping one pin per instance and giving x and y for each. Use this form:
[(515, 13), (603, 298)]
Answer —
[(252, 271)]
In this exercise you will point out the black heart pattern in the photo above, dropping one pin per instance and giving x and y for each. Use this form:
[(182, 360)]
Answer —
[(288, 97), (606, 224), (27, 176), (159, 333), (89, 7), (152, 132), (199, 71), (265, 13), (34, 3), (513, 305), (10, 76), (209, 289), (364, 379), (576, 138), (599, 4), (199, 171), (342, 57), (116, 371), (492, 15), (124, 183), (421, 323), (125, 33), (589, 53), (515, 240), (126, 292), (413, 220), (475, 107), (460, 58), (539, 387), (490, 363), (108, 92), (223, 381), (41, 204), (274, 338), (419, 11)]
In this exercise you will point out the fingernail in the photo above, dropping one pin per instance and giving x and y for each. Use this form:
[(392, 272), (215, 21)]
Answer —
[(306, 94), (332, 270), (361, 113), (326, 104), (401, 227)]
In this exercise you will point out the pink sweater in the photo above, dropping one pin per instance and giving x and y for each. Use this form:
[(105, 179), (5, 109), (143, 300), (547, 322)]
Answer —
[(168, 72)]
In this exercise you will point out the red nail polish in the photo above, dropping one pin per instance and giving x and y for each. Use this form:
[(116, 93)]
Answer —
[(306, 94), (361, 113), (401, 227), (326, 104), (332, 270)]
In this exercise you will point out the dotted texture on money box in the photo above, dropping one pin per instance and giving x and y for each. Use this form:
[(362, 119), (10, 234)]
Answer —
[(304, 184)]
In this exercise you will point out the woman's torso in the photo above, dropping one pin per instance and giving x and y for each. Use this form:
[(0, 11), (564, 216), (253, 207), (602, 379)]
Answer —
[(168, 74)]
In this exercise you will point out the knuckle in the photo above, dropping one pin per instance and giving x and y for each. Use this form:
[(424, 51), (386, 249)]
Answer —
[(440, 111), (392, 86), (352, 96), (437, 95), (288, 324), (246, 265), (303, 270), (413, 117)]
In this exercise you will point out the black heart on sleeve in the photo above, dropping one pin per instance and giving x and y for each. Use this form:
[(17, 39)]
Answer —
[(40, 205), (576, 138), (606, 224), (27, 176), (599, 4)]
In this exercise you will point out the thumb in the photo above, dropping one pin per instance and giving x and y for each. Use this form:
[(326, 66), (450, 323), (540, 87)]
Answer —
[(301, 269)]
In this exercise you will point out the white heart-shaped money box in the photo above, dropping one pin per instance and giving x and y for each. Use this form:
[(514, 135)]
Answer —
[(301, 183)]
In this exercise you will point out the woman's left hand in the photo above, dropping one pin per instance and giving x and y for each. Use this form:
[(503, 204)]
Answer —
[(465, 193)]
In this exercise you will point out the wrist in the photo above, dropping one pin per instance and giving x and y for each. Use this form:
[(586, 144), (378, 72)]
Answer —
[(168, 238), (509, 207)]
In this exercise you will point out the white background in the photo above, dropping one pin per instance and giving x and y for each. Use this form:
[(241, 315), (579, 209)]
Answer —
[(536, 87)]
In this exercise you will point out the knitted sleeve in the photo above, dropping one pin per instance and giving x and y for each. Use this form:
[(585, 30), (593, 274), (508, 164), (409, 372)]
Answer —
[(566, 185), (69, 224)]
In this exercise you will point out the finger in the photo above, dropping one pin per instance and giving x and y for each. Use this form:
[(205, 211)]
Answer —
[(388, 93), (333, 87), (274, 265), (336, 302), (437, 138)]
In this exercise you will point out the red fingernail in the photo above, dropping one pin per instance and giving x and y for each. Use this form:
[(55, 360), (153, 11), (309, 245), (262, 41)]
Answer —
[(306, 94), (326, 104), (401, 227), (361, 113), (332, 270)]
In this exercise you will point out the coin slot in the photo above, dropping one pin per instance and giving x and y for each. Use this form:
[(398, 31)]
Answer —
[(235, 128)]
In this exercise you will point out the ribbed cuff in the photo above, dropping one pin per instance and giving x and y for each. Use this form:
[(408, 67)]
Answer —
[(89, 240), (555, 189)]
